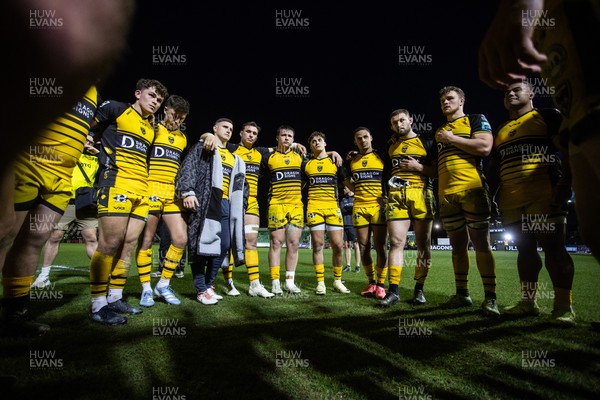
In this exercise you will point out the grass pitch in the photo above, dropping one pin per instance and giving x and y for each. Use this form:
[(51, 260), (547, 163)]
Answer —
[(337, 346)]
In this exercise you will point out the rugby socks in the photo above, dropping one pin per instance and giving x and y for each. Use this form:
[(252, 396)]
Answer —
[(172, 259), (228, 273), (381, 275), (563, 298), (395, 273), (118, 277), (460, 263), (144, 265), (275, 273), (289, 278), (421, 271), (16, 286), (487, 269), (16, 295), (337, 273), (100, 267), (252, 265), (370, 272), (319, 272)]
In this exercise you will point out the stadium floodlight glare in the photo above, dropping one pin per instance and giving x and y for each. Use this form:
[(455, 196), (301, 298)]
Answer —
[(508, 236)]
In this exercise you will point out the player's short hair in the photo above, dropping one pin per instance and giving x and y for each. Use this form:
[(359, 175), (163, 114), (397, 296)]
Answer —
[(223, 120), (152, 83), (251, 123), (446, 89), (362, 128), (178, 103), (285, 128), (398, 112), (315, 134)]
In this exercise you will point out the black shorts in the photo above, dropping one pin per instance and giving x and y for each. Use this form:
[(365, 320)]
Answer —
[(349, 232)]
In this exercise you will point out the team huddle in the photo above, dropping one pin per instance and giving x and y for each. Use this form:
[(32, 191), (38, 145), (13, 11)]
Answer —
[(207, 197)]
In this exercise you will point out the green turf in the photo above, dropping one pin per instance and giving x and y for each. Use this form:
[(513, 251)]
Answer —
[(308, 347)]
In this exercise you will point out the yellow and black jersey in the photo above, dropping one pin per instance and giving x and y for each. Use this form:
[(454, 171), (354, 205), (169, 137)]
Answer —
[(126, 141), (253, 158), (367, 174), (59, 145), (228, 161), (285, 177), (458, 170), (323, 176), (529, 162), (165, 154), (415, 148)]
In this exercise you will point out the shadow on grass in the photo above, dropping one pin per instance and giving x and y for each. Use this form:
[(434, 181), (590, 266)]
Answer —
[(336, 346)]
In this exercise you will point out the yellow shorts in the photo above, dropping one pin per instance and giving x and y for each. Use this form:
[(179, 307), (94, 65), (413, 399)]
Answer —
[(34, 184), (280, 215), (161, 199), (332, 217), (570, 76), (370, 215), (253, 207), (539, 216), (119, 202), (470, 207), (410, 203)]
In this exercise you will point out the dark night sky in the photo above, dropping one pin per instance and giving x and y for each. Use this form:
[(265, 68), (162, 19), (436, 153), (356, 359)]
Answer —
[(347, 57)]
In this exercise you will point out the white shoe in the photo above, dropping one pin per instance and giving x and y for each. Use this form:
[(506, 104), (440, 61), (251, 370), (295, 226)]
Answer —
[(276, 288), (155, 274), (292, 288), (260, 291), (321, 289), (231, 290), (206, 298), (179, 274), (41, 282), (211, 292), (338, 286)]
